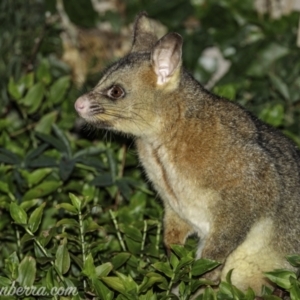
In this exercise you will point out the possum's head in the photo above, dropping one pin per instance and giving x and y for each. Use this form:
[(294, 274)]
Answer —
[(129, 97)]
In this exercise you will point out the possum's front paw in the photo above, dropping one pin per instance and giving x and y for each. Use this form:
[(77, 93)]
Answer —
[(174, 236), (176, 230), (214, 275)]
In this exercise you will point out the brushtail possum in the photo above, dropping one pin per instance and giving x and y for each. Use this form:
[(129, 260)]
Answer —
[(220, 172)]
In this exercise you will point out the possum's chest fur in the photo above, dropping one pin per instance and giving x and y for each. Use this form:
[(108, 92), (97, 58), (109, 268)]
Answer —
[(182, 190), (182, 193)]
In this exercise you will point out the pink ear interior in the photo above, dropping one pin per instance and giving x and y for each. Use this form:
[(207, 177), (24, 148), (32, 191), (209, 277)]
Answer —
[(166, 56)]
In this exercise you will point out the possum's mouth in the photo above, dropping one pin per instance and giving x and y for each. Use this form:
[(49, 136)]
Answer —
[(97, 122)]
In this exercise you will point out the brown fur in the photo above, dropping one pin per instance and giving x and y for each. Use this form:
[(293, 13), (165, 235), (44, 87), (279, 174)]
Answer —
[(220, 172)]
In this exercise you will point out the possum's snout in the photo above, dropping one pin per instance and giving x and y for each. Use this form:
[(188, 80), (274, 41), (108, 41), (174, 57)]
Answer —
[(87, 108)]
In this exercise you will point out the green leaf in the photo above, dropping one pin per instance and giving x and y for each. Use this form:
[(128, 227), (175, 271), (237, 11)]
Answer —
[(129, 284), (281, 278), (88, 191), (34, 97), (35, 152), (209, 294), (90, 161), (230, 291), (280, 86), (27, 80), (131, 232), (73, 290), (9, 157), (89, 268), (35, 218), (104, 269), (69, 222), (43, 72), (12, 264), (103, 180), (4, 281), (226, 90), (174, 261), (228, 276), (75, 201), (43, 161), (56, 143), (273, 115), (4, 187), (14, 89), (62, 260), (249, 295), (90, 225), (50, 278), (202, 266), (124, 188), (44, 125), (42, 190), (25, 238), (115, 283), (18, 214), (265, 58), (39, 254), (294, 260), (120, 259), (58, 89), (89, 151), (66, 167), (182, 289), (149, 280), (47, 235), (185, 261), (27, 271), (62, 137), (180, 251), (101, 290), (133, 246), (164, 268), (112, 163), (271, 297), (26, 205), (84, 13), (35, 176), (68, 207), (295, 289), (150, 295)]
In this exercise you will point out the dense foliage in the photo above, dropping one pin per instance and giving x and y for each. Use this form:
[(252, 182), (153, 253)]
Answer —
[(76, 211)]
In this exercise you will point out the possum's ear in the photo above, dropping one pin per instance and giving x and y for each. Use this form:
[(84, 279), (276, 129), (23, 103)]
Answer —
[(166, 58), (144, 37)]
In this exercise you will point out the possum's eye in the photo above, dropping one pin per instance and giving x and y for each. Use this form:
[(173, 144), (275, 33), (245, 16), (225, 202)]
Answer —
[(115, 92)]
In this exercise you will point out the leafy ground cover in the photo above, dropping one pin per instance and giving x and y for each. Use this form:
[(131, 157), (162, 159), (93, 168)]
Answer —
[(76, 210)]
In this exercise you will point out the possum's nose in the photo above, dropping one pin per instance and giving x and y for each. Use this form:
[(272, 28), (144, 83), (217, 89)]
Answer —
[(82, 104)]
